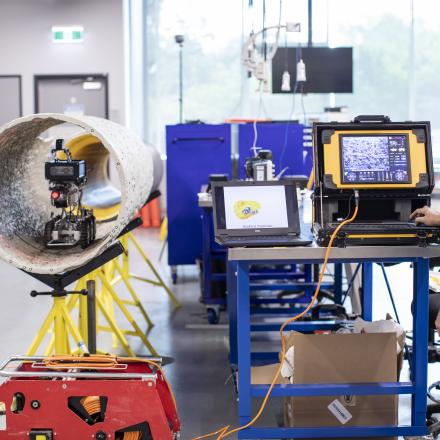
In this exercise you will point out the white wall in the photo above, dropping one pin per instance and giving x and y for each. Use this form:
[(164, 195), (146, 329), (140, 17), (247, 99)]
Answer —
[(26, 46)]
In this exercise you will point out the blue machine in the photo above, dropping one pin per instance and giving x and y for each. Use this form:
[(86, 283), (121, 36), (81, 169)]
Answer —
[(193, 152)]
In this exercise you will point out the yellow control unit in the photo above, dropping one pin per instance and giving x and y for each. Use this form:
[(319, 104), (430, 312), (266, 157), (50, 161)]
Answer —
[(388, 165)]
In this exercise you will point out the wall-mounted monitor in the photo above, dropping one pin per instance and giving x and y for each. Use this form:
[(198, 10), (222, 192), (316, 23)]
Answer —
[(328, 70)]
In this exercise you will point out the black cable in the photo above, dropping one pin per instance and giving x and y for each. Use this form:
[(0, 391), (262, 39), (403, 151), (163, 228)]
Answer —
[(349, 207)]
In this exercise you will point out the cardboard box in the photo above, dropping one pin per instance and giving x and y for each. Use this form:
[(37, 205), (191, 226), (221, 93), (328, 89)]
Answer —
[(265, 374), (343, 358)]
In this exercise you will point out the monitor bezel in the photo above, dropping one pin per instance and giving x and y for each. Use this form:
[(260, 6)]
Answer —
[(219, 209), (374, 182)]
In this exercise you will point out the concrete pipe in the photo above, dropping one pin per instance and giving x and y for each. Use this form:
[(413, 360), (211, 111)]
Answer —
[(25, 206)]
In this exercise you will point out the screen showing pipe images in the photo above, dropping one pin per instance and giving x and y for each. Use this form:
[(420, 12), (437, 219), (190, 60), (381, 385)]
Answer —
[(375, 158), (255, 207)]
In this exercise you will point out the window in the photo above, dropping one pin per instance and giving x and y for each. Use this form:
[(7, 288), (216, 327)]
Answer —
[(395, 61), (211, 62)]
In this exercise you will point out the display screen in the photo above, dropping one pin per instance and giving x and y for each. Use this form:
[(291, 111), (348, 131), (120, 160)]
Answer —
[(59, 171), (378, 158), (255, 207), (328, 70)]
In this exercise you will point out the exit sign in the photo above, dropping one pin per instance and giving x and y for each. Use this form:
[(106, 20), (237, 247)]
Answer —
[(67, 34)]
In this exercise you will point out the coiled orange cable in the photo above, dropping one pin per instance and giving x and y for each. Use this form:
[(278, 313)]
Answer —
[(92, 404), (134, 435)]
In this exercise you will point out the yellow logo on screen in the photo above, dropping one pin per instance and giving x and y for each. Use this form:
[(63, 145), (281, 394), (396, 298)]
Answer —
[(245, 209)]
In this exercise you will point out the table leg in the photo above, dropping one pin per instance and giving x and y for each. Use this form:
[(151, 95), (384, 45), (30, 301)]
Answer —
[(338, 283), (308, 277), (206, 255), (367, 291), (420, 341), (244, 343), (232, 311)]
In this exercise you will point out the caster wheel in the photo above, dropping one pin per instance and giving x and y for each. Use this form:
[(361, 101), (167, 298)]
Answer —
[(173, 274), (213, 316)]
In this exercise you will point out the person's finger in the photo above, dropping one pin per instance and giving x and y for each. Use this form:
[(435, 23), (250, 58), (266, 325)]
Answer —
[(420, 212), (417, 212), (420, 219)]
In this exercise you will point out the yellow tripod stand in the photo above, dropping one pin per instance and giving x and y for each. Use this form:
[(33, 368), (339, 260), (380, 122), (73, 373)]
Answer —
[(63, 326), (103, 270), (59, 317), (106, 298)]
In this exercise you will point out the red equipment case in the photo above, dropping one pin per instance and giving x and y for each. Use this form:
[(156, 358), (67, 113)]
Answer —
[(37, 403)]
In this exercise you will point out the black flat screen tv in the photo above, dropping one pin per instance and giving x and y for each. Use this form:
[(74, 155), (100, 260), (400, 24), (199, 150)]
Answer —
[(327, 70)]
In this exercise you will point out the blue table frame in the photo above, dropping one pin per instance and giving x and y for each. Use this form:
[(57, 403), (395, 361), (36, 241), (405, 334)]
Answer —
[(241, 329), (298, 280)]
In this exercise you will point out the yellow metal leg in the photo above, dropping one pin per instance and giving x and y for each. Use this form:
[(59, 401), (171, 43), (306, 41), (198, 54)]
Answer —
[(125, 256), (127, 314), (136, 301), (83, 315), (71, 304), (63, 325), (59, 327), (114, 328), (70, 326), (107, 299), (48, 322), (160, 281)]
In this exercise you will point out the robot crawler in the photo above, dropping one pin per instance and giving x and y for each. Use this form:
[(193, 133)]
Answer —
[(67, 178)]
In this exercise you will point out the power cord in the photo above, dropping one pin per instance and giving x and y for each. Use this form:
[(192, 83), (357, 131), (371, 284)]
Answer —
[(226, 431)]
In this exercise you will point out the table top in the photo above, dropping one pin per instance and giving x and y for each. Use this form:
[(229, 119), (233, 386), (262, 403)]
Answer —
[(315, 253)]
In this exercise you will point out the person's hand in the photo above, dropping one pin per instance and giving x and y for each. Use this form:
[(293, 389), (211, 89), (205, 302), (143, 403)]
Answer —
[(426, 216)]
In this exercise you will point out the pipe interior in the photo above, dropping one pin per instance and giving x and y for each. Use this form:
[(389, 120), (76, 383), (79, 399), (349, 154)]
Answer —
[(25, 205)]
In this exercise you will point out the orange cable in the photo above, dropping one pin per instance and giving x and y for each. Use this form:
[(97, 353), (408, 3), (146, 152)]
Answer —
[(133, 435), (100, 362), (221, 431), (225, 432), (92, 404)]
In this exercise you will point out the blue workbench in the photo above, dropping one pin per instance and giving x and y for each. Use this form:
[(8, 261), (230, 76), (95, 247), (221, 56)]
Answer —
[(291, 278), (241, 328)]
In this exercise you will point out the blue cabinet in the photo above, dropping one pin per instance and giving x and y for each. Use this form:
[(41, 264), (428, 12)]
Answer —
[(194, 151), (285, 140)]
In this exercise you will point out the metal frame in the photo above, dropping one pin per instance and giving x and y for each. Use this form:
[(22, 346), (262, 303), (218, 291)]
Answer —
[(101, 76), (4, 372), (241, 328), (298, 280), (20, 90)]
